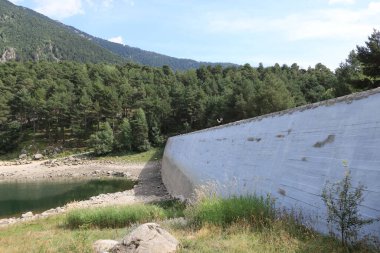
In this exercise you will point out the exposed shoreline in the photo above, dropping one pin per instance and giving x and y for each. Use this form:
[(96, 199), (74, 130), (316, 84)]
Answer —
[(149, 188)]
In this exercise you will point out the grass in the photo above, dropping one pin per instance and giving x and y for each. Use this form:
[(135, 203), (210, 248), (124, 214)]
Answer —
[(121, 216), (154, 154), (114, 216), (50, 236), (219, 231), (224, 212)]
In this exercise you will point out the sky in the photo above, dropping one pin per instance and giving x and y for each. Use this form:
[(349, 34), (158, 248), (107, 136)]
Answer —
[(305, 32)]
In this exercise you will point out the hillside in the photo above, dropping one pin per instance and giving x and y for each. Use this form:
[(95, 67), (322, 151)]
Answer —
[(27, 35), (151, 58)]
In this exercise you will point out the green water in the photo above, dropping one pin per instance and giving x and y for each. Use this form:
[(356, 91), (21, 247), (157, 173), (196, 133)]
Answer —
[(21, 197)]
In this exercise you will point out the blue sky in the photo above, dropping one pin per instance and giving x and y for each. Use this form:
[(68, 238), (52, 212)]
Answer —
[(239, 31)]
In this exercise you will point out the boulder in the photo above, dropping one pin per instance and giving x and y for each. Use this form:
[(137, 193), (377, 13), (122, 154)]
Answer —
[(102, 246), (38, 156), (148, 238)]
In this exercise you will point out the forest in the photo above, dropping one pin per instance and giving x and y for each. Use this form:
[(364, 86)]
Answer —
[(132, 107)]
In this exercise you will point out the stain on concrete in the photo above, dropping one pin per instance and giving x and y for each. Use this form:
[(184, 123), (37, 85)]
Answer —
[(253, 139), (281, 192), (329, 139)]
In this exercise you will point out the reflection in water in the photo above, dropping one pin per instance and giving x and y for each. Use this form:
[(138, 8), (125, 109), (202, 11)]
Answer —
[(18, 197)]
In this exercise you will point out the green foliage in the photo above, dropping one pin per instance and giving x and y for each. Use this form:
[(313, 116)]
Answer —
[(251, 210), (124, 138), (369, 56), (9, 136), (66, 101), (102, 141), (342, 202), (139, 125)]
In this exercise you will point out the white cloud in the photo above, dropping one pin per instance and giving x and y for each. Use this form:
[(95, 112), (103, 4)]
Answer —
[(342, 1), (318, 24), (59, 9), (117, 39)]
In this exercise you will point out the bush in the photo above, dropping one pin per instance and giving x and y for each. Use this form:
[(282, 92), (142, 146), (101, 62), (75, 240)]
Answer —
[(102, 141), (342, 202), (255, 211)]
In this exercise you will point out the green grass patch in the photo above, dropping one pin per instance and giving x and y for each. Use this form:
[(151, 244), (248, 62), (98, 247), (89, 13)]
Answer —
[(224, 212), (121, 216), (50, 235), (113, 216), (154, 154), (283, 234)]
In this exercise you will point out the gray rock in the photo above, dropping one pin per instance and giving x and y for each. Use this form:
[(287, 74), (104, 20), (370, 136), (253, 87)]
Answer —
[(27, 215), (102, 246), (118, 174), (22, 156), (38, 156), (148, 238)]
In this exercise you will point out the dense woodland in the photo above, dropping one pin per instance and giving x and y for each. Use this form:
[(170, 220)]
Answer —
[(132, 106)]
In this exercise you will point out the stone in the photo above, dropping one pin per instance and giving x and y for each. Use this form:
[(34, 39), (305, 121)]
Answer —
[(118, 174), (38, 156), (22, 156), (148, 238), (27, 215), (101, 246)]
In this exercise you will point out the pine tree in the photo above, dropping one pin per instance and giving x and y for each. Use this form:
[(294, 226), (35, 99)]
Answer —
[(102, 141), (124, 138), (140, 135)]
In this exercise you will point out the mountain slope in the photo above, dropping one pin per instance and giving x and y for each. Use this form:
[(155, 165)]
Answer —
[(28, 35), (151, 58), (144, 57)]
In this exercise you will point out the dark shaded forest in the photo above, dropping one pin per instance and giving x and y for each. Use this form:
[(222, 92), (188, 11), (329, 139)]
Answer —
[(133, 106)]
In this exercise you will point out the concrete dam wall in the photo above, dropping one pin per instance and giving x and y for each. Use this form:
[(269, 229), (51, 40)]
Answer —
[(289, 155)]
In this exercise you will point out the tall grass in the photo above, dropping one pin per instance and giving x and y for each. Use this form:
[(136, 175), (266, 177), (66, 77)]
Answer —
[(113, 216), (256, 211), (121, 216)]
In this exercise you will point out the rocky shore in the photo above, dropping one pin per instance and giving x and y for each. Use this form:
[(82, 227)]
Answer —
[(149, 188)]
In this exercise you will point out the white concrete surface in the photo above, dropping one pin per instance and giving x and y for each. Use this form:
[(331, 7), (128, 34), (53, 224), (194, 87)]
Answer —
[(290, 155)]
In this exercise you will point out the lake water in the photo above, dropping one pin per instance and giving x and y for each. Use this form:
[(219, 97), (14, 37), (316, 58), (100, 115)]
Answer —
[(20, 197)]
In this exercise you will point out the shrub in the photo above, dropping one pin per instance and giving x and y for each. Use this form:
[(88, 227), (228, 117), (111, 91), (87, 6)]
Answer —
[(256, 211), (342, 202)]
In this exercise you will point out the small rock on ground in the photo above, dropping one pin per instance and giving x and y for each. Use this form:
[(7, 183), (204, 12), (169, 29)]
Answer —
[(104, 246)]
